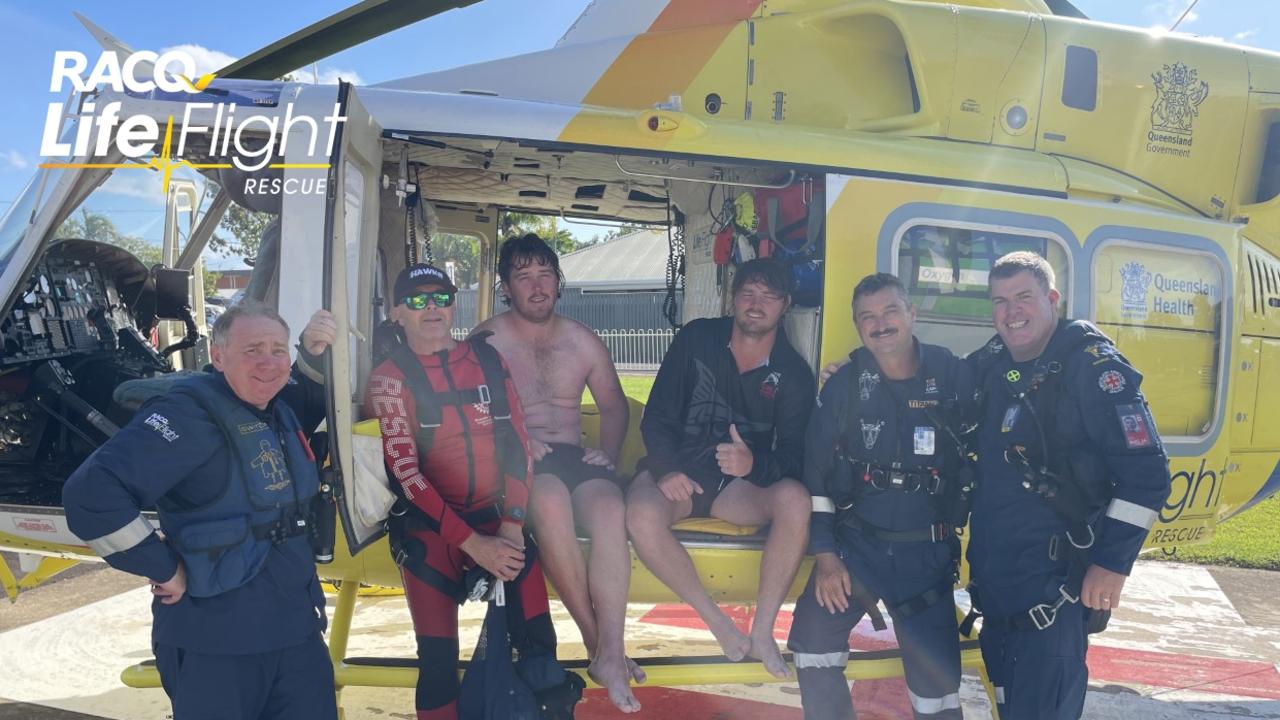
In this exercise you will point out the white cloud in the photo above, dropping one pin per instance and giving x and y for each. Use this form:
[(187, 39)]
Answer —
[(141, 184), (206, 60), (1244, 35), (1164, 13), (13, 160)]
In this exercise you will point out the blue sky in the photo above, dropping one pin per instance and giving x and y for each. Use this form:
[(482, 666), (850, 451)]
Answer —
[(488, 30)]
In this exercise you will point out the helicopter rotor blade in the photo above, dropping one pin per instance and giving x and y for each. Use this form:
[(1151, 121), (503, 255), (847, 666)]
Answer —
[(348, 28)]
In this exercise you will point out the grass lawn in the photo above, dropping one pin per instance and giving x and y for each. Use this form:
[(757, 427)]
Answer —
[(1248, 540), (634, 386)]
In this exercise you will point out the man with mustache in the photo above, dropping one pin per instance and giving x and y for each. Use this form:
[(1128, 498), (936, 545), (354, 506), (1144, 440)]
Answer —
[(724, 431), (890, 485), (1072, 475), (553, 359)]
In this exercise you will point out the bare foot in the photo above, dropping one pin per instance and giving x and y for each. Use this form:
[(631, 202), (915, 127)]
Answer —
[(765, 649), (733, 642), (637, 672), (613, 676)]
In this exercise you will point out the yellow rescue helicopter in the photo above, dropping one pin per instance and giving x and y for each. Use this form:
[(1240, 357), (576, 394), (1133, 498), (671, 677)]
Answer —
[(847, 136)]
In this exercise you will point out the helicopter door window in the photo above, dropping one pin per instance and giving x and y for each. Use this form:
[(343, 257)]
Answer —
[(945, 267), (1163, 307), (1269, 177), (353, 201), (1080, 78)]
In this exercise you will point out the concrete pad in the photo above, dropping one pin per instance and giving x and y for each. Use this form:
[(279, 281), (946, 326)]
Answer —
[(1177, 649)]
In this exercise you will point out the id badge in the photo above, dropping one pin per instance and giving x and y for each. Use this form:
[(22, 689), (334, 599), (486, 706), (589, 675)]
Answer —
[(1010, 417), (924, 440)]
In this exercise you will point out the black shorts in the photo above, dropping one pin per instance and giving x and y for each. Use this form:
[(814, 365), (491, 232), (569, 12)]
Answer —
[(712, 483), (565, 462)]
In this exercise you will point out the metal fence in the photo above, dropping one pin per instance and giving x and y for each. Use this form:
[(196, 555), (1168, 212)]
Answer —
[(640, 310), (634, 351)]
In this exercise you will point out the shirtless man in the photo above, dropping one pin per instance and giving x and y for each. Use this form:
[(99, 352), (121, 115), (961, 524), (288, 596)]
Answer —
[(552, 358)]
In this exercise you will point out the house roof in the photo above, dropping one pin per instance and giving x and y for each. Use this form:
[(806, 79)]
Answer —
[(635, 261)]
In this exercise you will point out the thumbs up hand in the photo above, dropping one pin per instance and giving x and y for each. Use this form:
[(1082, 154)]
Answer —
[(735, 457)]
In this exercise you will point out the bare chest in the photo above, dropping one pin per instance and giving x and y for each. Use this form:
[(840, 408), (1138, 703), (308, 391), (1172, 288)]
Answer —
[(547, 370)]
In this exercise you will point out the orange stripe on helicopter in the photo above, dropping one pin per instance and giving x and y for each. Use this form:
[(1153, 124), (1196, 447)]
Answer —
[(661, 62)]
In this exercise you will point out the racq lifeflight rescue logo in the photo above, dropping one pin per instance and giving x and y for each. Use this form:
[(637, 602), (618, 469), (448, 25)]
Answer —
[(235, 140)]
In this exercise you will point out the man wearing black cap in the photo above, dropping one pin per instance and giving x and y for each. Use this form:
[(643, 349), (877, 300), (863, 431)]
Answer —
[(454, 440)]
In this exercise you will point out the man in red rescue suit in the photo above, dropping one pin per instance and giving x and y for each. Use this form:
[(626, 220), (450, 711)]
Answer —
[(454, 440)]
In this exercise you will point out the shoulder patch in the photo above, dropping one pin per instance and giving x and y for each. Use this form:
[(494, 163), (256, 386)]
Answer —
[(1136, 424), (1102, 352), (1111, 381), (160, 424)]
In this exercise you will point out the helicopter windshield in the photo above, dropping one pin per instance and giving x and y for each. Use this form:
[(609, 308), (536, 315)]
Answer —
[(16, 220)]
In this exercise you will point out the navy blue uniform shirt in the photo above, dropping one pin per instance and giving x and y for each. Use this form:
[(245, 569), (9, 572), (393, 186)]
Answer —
[(887, 422), (1103, 423), (184, 462)]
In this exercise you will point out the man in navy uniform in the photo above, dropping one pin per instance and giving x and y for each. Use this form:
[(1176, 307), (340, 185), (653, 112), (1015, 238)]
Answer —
[(238, 610), (1071, 476), (890, 485)]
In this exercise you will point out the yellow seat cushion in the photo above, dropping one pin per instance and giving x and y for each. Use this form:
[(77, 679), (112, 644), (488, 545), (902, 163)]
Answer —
[(713, 526)]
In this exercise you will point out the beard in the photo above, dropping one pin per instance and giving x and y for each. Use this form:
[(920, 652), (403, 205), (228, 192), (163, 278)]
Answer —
[(752, 327), (539, 312)]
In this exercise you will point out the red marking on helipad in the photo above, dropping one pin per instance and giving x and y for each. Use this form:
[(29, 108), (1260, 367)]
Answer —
[(1248, 678), (672, 703), (1245, 678)]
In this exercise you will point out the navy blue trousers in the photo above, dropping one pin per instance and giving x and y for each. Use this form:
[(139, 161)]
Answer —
[(1038, 674), (929, 639), (295, 683)]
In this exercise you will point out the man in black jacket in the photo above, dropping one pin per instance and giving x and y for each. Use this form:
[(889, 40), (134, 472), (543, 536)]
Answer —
[(724, 431)]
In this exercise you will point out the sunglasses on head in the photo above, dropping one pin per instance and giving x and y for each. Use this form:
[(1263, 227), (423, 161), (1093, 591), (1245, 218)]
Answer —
[(419, 301)]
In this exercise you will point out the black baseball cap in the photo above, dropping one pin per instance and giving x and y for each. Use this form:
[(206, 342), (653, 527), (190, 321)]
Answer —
[(415, 276)]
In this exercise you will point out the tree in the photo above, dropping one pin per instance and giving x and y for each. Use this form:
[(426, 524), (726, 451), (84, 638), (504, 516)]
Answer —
[(246, 228), (463, 251), (547, 227), (98, 227)]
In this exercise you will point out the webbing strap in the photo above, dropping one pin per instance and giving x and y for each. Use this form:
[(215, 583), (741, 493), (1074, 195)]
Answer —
[(936, 532), (411, 555), (868, 601), (925, 600)]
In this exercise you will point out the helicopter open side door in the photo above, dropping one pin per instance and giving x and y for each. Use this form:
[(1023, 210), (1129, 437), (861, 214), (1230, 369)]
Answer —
[(350, 239)]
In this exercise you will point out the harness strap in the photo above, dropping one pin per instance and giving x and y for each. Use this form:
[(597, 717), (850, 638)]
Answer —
[(884, 477), (429, 404), (410, 554), (868, 601), (937, 532), (405, 520), (925, 600)]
